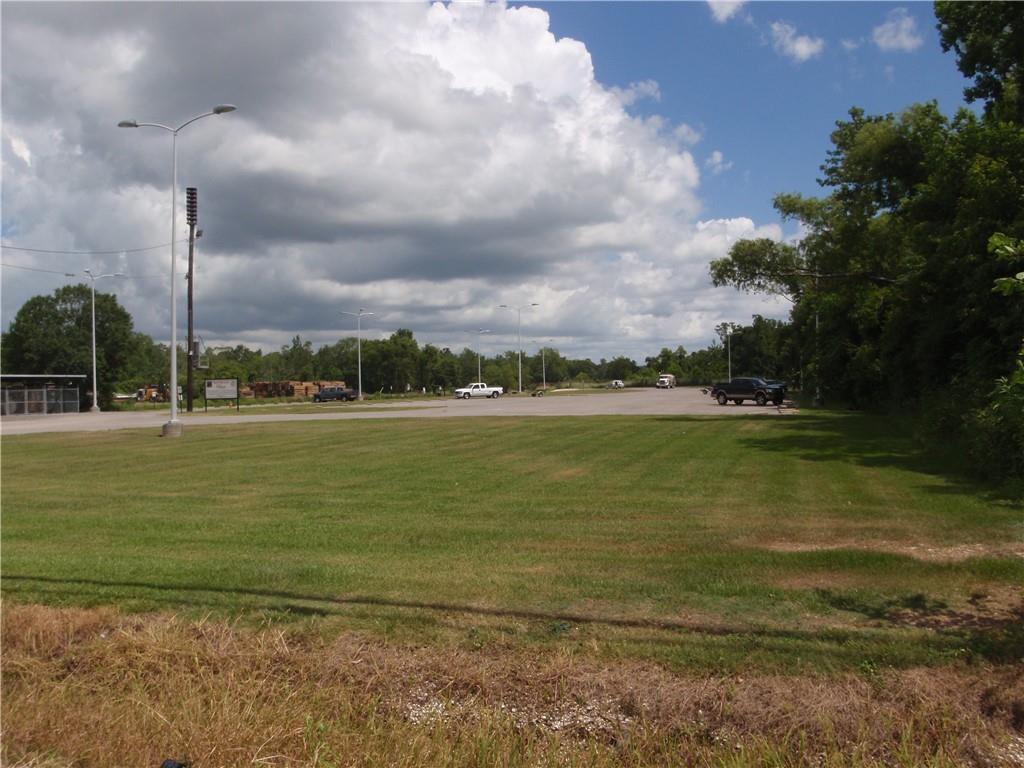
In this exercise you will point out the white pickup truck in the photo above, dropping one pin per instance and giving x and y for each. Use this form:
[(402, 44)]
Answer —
[(478, 389)]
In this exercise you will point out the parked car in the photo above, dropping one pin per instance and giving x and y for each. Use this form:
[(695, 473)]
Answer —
[(740, 389), (617, 384), (478, 389), (334, 393)]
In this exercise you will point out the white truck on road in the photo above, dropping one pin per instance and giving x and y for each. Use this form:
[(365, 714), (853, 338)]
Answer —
[(478, 389)]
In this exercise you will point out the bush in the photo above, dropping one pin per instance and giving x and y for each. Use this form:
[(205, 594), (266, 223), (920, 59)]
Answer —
[(995, 432)]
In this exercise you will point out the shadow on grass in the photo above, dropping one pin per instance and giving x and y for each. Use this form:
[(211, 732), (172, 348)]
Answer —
[(369, 600), (878, 607), (873, 440), (995, 639), (1002, 643)]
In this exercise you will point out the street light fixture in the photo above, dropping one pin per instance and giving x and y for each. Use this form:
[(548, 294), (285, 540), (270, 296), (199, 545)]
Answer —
[(519, 337), (173, 428), (359, 344), (93, 278)]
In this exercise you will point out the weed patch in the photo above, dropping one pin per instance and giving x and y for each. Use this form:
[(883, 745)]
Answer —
[(93, 687)]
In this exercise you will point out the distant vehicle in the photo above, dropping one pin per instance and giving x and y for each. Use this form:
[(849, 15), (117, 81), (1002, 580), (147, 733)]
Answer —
[(617, 384), (334, 393), (538, 392), (478, 389), (666, 381), (150, 394), (740, 389), (155, 393)]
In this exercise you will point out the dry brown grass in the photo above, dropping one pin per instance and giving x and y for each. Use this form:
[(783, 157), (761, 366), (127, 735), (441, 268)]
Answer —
[(94, 688), (929, 553)]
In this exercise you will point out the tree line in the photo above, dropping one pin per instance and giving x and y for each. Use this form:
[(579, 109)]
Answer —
[(52, 334), (906, 287)]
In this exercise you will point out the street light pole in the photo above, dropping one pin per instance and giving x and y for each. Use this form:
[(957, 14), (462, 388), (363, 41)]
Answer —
[(728, 337), (173, 428), (479, 337), (543, 364), (519, 336), (359, 345), (93, 278)]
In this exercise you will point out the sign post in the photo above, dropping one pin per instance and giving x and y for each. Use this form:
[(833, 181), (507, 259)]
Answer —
[(220, 389)]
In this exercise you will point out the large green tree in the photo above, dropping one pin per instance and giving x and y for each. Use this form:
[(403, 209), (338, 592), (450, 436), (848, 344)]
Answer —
[(892, 281), (297, 360), (147, 363), (988, 39), (53, 334)]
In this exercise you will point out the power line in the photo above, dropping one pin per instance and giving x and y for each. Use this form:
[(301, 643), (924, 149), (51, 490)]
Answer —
[(88, 253), (36, 269), (75, 274)]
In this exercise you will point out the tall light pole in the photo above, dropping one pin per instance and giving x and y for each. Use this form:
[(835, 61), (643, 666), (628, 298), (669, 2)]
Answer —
[(359, 344), (173, 428), (543, 364), (728, 335), (93, 278), (519, 336), (191, 218), (479, 337)]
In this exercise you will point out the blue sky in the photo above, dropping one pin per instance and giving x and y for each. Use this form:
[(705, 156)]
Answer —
[(768, 114), (431, 162)]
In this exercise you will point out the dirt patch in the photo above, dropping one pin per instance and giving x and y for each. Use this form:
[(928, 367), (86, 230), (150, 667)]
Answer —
[(569, 473), (925, 552), (102, 689)]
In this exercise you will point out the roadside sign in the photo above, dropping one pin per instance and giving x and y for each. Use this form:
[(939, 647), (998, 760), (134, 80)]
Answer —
[(221, 389)]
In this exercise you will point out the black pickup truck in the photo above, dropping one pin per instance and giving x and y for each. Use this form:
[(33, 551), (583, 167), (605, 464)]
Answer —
[(334, 393), (758, 390)]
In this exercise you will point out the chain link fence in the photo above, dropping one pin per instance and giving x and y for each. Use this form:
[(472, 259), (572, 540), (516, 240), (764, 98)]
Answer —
[(20, 401)]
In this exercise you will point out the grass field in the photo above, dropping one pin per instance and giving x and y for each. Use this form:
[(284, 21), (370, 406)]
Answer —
[(820, 546), (809, 530)]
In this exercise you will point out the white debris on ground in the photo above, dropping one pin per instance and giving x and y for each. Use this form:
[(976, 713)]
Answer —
[(1013, 752), (429, 711), (588, 718)]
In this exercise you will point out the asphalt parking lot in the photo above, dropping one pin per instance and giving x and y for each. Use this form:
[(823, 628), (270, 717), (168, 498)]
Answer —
[(688, 401)]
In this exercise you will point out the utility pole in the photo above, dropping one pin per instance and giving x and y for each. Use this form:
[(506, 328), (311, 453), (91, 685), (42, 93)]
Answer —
[(818, 402), (192, 216)]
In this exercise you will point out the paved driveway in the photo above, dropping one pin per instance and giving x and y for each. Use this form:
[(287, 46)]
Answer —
[(631, 402)]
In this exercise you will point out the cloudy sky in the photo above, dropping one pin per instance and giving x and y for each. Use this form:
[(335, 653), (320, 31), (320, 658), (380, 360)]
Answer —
[(430, 162)]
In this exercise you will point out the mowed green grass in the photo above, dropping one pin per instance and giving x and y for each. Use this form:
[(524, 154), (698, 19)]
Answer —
[(700, 541)]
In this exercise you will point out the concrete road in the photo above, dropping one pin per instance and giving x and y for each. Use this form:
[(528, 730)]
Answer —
[(630, 402)]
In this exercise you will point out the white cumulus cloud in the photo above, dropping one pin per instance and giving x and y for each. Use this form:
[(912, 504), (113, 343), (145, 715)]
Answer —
[(898, 33), (645, 89), (716, 163), (800, 48), (427, 162), (723, 10), (687, 134)]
